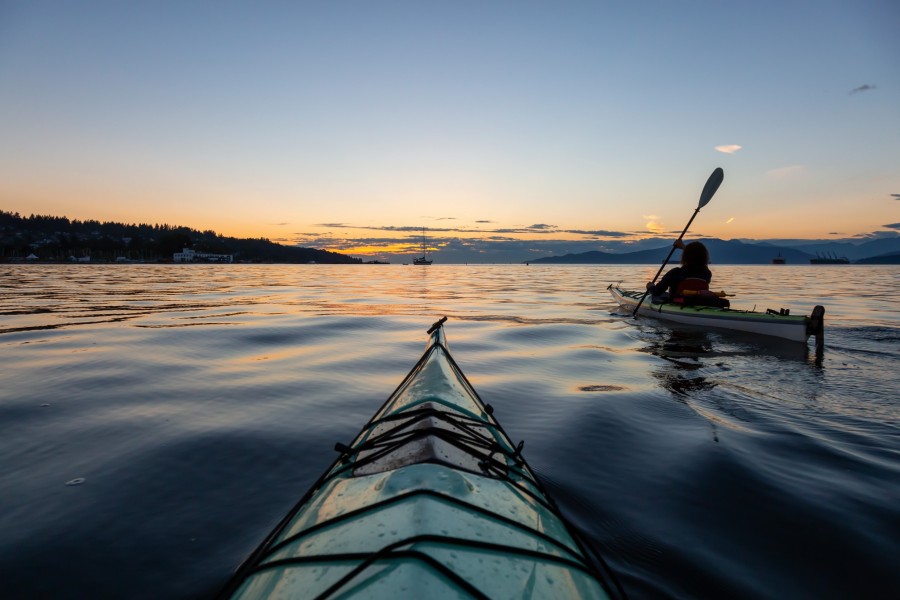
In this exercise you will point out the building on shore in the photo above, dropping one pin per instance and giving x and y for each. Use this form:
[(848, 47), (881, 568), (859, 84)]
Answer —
[(189, 256)]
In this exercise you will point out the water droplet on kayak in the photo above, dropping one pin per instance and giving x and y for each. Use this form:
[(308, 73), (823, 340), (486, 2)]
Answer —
[(44, 405), (76, 481)]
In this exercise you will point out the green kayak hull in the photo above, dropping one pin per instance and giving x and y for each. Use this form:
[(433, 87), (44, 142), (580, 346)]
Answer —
[(431, 499), (796, 328)]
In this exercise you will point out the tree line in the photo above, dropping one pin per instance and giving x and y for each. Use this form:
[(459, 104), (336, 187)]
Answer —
[(59, 239)]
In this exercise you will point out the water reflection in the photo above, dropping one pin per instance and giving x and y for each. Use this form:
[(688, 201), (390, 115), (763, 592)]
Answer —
[(683, 345), (701, 369), (682, 353), (258, 369)]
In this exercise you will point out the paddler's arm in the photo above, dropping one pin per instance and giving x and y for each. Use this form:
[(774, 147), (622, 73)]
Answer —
[(665, 283)]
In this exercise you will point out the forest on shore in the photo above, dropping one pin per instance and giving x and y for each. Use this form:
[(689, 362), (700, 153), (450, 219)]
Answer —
[(59, 239)]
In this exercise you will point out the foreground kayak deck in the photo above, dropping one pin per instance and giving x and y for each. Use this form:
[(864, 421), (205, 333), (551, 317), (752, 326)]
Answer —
[(796, 328), (431, 499)]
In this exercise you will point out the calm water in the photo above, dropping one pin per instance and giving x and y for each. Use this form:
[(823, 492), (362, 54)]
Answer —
[(157, 421)]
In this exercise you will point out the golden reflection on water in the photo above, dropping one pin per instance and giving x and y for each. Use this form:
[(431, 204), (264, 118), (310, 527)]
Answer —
[(49, 297), (160, 382)]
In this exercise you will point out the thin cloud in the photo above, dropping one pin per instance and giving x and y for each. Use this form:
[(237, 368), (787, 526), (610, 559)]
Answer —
[(541, 228), (498, 246), (484, 221), (598, 233), (728, 149), (863, 88), (280, 224), (655, 227), (895, 196), (519, 230), (729, 220), (892, 226), (400, 228), (786, 172), (879, 235)]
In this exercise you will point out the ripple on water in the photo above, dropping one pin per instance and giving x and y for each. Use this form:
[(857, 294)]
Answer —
[(197, 405)]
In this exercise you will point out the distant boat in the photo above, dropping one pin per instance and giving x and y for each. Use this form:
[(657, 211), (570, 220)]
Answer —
[(824, 259), (423, 260), (779, 260)]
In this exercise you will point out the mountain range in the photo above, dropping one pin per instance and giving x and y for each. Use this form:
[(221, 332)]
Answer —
[(60, 239), (735, 252)]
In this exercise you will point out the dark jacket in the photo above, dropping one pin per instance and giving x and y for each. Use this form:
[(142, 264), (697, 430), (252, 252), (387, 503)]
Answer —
[(670, 280)]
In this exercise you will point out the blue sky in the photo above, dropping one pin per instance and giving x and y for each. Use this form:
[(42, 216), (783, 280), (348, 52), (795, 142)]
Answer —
[(321, 123)]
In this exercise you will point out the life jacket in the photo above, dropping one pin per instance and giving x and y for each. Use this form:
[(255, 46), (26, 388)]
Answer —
[(694, 291), (694, 284)]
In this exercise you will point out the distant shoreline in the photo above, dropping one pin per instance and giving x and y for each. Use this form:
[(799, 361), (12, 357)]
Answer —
[(8, 261)]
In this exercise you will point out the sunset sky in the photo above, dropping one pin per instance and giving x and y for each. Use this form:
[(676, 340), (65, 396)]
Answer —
[(350, 125)]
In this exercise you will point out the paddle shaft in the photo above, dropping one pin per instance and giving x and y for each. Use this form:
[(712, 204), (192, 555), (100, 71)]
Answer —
[(672, 251), (709, 190), (665, 262)]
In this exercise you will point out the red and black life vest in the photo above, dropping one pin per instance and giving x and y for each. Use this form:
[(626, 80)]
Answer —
[(695, 284), (698, 294)]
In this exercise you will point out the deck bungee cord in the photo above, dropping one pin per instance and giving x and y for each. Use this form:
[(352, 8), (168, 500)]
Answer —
[(430, 493)]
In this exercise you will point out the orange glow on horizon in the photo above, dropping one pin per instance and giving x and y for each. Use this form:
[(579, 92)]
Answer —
[(363, 250)]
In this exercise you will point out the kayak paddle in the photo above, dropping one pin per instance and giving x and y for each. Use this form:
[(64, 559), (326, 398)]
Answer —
[(709, 190)]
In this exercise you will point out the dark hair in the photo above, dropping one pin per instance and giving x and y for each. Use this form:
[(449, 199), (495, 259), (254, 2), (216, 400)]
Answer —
[(695, 254)]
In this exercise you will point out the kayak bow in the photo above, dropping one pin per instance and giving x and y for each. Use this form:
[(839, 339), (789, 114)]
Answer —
[(431, 498), (796, 328)]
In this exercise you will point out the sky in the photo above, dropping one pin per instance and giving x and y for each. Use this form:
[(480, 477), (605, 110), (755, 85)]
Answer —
[(352, 125)]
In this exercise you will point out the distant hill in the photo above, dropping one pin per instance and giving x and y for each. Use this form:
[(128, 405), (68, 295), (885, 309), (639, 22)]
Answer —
[(852, 251), (724, 252), (58, 239), (720, 251), (892, 258), (608, 258)]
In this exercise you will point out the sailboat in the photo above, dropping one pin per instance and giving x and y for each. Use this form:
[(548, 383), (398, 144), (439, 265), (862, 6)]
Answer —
[(423, 260)]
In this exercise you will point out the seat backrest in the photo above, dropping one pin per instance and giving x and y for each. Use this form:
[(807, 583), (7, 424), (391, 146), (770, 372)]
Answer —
[(694, 284)]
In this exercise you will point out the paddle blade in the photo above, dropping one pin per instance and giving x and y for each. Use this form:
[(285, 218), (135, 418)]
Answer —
[(712, 184)]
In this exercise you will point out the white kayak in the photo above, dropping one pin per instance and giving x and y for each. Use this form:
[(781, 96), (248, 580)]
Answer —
[(797, 328)]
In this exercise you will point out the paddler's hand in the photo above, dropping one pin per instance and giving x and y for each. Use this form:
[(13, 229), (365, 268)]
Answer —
[(679, 244), (649, 285)]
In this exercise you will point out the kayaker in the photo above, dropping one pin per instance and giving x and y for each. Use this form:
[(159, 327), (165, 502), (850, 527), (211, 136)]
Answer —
[(693, 274)]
